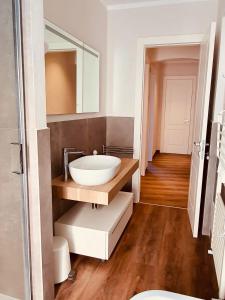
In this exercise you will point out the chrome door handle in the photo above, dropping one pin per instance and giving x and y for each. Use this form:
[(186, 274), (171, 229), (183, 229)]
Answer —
[(197, 144), (186, 121), (17, 158)]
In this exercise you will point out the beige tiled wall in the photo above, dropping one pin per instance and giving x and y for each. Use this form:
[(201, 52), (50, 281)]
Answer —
[(84, 134), (87, 135), (119, 131), (44, 159)]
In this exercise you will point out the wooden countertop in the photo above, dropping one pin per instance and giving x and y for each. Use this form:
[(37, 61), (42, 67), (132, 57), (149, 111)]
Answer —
[(100, 194)]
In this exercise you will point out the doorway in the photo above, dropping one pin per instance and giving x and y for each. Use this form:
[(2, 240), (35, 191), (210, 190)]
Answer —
[(170, 97), (206, 42)]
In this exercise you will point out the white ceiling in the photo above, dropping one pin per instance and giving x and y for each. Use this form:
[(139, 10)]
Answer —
[(125, 4)]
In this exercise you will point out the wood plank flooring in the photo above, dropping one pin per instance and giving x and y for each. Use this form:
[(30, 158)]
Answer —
[(156, 251), (167, 180)]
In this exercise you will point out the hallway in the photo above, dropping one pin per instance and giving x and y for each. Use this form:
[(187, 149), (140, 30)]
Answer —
[(166, 181)]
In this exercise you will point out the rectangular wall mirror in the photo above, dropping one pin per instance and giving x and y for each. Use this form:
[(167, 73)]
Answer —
[(71, 74)]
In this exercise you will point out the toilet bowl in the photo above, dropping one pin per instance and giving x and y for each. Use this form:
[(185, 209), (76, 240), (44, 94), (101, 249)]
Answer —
[(161, 295)]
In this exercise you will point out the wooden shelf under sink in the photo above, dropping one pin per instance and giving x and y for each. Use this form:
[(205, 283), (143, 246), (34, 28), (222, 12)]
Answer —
[(100, 194)]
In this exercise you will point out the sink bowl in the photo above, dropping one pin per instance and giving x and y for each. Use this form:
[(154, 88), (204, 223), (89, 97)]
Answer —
[(94, 169)]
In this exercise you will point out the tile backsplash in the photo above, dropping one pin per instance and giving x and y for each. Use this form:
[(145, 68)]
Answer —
[(120, 131), (86, 135)]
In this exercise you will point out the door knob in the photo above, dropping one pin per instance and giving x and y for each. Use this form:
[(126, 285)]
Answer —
[(186, 121), (197, 144)]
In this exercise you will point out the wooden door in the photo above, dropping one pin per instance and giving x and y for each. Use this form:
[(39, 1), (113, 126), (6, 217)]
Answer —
[(201, 120)]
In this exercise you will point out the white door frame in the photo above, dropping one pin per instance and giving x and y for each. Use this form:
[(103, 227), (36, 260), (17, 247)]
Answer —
[(192, 111), (144, 153), (151, 116), (142, 44)]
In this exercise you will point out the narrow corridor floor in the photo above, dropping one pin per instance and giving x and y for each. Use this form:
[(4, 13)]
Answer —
[(166, 181)]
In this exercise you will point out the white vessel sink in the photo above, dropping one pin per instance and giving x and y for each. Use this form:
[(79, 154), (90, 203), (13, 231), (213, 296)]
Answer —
[(94, 169)]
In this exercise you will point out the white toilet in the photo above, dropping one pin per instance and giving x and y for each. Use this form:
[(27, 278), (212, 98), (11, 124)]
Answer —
[(161, 295)]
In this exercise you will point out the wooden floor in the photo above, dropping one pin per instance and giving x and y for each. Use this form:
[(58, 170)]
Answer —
[(156, 251), (167, 180)]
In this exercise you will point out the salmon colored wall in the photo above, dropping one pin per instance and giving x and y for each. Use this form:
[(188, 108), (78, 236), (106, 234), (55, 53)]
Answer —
[(60, 76), (179, 69), (166, 61), (176, 52)]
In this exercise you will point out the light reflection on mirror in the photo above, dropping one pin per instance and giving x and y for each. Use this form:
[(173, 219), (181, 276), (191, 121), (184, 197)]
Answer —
[(72, 74)]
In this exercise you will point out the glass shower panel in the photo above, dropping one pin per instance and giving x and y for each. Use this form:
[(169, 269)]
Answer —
[(14, 242)]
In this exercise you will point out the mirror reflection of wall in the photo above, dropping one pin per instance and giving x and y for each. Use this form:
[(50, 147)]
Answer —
[(60, 76), (72, 74)]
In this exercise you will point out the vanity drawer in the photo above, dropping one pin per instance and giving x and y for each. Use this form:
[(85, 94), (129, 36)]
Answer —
[(83, 241), (114, 236), (95, 233)]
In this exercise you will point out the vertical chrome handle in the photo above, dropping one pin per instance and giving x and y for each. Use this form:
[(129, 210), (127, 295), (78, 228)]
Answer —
[(17, 158), (66, 152)]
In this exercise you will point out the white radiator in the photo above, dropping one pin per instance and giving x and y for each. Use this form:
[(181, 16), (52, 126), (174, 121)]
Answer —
[(218, 244), (218, 230)]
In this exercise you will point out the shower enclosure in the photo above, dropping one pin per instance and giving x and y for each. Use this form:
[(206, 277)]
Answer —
[(14, 223)]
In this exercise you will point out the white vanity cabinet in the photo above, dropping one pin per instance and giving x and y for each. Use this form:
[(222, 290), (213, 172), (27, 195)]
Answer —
[(95, 232)]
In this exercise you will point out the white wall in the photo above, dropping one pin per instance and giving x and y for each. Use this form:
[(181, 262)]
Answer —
[(87, 21), (126, 26)]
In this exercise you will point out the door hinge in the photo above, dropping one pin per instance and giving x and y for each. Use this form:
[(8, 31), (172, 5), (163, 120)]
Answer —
[(17, 158)]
